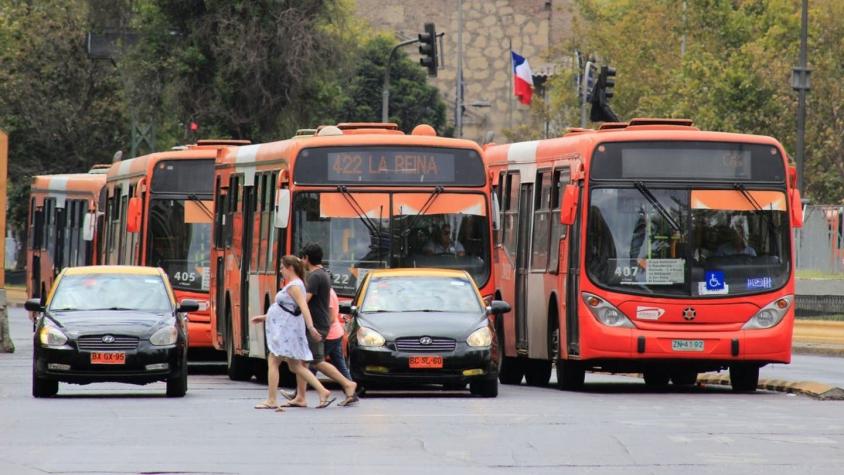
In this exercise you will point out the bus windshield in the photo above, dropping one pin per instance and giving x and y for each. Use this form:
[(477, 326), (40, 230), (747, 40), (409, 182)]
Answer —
[(361, 231), (180, 240), (687, 242)]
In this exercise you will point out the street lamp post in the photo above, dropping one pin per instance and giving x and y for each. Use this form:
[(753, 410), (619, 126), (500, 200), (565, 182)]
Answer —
[(800, 82)]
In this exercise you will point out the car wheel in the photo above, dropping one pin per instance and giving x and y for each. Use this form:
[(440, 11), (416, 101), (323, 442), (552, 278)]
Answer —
[(237, 366), (744, 378), (43, 387), (177, 385), (537, 372), (656, 378), (684, 378), (484, 387), (570, 374)]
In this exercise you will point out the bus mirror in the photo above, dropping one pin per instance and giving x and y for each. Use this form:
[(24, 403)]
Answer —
[(496, 213), (89, 223), (282, 208), (133, 215), (796, 209), (568, 210)]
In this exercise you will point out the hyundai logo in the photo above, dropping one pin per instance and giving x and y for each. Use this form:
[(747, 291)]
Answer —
[(689, 313), (425, 340), (108, 339)]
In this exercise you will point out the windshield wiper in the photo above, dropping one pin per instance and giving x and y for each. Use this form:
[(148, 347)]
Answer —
[(656, 204), (423, 210), (112, 308), (759, 209), (204, 208), (367, 221), (427, 310)]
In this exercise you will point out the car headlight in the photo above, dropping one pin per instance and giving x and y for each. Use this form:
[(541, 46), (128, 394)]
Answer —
[(605, 312), (769, 315), (51, 336), (480, 337), (369, 337), (164, 336)]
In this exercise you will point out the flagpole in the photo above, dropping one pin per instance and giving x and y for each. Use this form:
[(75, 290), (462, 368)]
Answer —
[(510, 75)]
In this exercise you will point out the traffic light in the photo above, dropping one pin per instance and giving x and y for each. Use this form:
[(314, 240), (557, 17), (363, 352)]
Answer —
[(428, 49), (603, 91), (590, 76)]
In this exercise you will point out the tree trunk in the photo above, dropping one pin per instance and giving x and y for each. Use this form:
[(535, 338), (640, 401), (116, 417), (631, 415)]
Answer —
[(6, 345)]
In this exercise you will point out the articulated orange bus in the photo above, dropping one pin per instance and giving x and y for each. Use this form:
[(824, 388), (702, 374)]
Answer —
[(648, 246), (370, 195), (159, 211), (62, 226)]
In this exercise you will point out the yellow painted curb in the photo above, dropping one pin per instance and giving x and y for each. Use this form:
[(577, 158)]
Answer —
[(819, 332), (808, 388)]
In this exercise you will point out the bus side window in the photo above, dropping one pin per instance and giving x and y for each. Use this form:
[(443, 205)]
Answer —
[(37, 228), (271, 230), (501, 193), (541, 217), (510, 223), (559, 232)]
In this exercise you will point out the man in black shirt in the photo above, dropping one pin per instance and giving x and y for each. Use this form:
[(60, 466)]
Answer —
[(319, 287)]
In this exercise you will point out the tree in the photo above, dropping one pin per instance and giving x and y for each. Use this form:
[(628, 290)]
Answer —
[(61, 109)]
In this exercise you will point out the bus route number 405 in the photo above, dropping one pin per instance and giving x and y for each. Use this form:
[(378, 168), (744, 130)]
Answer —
[(188, 277)]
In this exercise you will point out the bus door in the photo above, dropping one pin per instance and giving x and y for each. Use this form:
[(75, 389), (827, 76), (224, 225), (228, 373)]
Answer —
[(522, 261), (248, 223), (573, 270)]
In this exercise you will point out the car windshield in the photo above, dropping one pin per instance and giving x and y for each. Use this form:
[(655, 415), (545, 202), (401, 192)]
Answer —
[(111, 291), (364, 231), (420, 294), (686, 242)]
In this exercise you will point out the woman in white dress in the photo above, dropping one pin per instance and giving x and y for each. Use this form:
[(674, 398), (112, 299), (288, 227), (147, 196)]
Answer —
[(286, 322)]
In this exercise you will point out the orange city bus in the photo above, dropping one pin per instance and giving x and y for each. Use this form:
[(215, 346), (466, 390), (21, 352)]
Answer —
[(370, 195), (158, 212), (62, 226), (648, 246)]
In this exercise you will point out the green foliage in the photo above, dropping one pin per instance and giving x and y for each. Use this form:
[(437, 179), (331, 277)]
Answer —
[(60, 108), (734, 74)]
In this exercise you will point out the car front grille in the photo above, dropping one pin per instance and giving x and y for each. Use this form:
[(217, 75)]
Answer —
[(437, 345), (96, 343)]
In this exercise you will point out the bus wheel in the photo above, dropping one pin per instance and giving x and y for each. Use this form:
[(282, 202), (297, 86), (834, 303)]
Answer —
[(570, 374), (744, 377), (656, 378), (684, 378), (537, 372), (238, 366)]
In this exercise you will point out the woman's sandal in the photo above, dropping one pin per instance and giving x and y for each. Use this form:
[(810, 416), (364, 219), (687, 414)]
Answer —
[(265, 405), (325, 403), (349, 400)]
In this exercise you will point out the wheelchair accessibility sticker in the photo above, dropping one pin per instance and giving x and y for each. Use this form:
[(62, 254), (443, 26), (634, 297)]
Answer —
[(713, 284)]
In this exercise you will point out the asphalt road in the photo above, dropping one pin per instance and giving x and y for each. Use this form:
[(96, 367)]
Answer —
[(615, 426)]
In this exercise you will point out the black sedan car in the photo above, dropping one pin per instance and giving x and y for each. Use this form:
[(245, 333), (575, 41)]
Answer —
[(426, 326), (110, 323)]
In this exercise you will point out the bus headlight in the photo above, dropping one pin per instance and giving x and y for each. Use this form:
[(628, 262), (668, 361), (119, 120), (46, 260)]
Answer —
[(164, 336), (480, 337), (605, 312), (369, 337), (51, 336), (770, 315)]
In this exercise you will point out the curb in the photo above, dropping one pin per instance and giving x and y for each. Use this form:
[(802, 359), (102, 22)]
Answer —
[(803, 348), (820, 391)]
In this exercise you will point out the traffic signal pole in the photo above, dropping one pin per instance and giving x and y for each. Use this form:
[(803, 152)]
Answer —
[(385, 91)]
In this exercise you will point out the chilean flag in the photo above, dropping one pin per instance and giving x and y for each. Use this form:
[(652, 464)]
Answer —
[(522, 79)]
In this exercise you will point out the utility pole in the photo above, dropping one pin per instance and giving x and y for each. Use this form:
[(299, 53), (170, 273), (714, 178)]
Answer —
[(6, 344), (800, 82), (458, 102)]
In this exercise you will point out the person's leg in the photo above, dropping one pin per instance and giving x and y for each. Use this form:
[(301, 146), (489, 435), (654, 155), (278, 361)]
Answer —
[(301, 370), (329, 370), (334, 350), (272, 383)]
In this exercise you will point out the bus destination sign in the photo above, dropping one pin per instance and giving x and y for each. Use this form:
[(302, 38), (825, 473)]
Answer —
[(389, 165)]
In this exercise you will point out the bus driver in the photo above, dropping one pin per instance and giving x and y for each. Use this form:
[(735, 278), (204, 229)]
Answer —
[(441, 243)]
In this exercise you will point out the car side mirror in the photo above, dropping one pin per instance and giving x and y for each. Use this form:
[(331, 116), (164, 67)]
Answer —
[(187, 306), (33, 305), (497, 307), (796, 209), (346, 308)]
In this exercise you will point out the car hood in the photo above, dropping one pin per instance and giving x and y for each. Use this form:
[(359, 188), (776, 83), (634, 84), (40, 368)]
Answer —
[(125, 322), (438, 324)]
